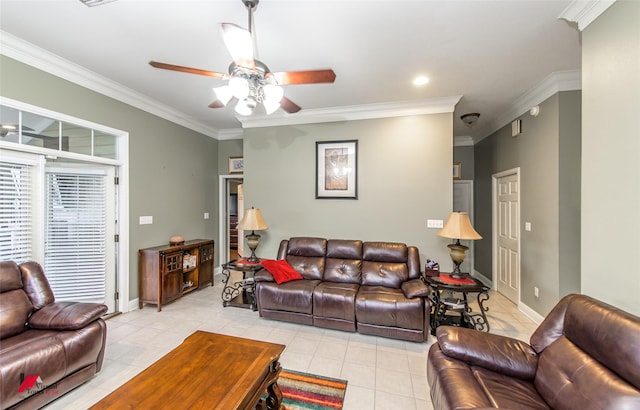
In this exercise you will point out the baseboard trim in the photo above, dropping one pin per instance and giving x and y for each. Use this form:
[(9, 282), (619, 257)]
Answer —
[(530, 313), (133, 304), (482, 278)]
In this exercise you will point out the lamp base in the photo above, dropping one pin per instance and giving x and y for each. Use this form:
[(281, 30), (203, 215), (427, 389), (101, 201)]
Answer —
[(253, 239), (458, 252)]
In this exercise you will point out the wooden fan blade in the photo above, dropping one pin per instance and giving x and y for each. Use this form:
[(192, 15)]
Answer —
[(239, 44), (305, 77), (216, 104), (188, 70), (289, 106)]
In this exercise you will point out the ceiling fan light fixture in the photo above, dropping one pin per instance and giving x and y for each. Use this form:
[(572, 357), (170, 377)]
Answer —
[(245, 107), (272, 93), (224, 94), (239, 87)]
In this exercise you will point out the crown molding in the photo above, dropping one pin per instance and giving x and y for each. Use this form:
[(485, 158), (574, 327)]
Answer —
[(230, 134), (354, 112), (463, 141), (555, 82), (30, 54), (585, 12)]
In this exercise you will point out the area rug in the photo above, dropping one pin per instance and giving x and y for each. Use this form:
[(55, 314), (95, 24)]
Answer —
[(309, 391)]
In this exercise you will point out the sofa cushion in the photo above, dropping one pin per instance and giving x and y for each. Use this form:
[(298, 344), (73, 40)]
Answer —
[(342, 271), (414, 288), (10, 276), (15, 308), (36, 284), (456, 384), (66, 315), (387, 274), (384, 264), (280, 270), (335, 300), (383, 306), (506, 355), (344, 249), (569, 378), (295, 296)]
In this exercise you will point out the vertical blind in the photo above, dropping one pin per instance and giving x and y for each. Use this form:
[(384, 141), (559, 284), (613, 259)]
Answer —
[(75, 235), (16, 200)]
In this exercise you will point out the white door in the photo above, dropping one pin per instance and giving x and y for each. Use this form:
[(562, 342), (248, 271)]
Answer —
[(507, 228), (463, 202), (79, 249)]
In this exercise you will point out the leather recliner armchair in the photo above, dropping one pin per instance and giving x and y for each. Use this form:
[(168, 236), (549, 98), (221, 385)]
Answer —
[(46, 348), (584, 355)]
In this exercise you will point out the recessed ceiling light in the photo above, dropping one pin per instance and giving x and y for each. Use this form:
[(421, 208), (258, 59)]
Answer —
[(421, 80)]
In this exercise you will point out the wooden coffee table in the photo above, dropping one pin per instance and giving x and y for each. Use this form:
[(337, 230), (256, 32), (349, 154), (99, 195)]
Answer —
[(207, 371)]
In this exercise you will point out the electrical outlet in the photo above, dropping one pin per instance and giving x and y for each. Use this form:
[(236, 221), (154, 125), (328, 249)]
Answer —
[(536, 292)]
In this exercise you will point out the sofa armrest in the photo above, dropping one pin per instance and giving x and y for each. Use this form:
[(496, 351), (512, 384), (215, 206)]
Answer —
[(263, 275), (415, 288), (501, 354), (66, 315)]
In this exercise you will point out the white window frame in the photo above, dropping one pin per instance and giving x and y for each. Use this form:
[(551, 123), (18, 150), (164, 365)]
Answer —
[(122, 164)]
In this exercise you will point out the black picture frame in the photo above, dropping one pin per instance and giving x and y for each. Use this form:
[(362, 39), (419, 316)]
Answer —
[(337, 169)]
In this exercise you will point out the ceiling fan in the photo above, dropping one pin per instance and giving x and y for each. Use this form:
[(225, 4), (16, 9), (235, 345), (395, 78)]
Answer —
[(250, 80)]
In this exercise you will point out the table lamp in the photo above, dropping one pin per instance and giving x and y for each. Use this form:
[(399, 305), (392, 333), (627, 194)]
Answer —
[(458, 227), (252, 221)]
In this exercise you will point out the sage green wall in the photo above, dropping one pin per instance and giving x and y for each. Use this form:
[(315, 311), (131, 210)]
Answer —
[(173, 170), (404, 178), (611, 156), (465, 156), (547, 141), (226, 149)]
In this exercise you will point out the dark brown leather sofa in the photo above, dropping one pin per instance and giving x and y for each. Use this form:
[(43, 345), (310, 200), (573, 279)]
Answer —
[(369, 287), (46, 348), (584, 355)]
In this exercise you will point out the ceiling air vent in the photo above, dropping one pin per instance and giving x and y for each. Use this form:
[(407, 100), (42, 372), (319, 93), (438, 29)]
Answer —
[(92, 3)]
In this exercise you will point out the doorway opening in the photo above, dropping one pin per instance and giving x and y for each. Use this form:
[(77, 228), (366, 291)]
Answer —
[(231, 210)]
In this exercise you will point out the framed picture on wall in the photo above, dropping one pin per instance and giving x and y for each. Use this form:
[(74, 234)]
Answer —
[(236, 165), (457, 170), (337, 169)]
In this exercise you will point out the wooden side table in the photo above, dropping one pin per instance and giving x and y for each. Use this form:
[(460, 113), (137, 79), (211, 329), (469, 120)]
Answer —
[(241, 293), (456, 311)]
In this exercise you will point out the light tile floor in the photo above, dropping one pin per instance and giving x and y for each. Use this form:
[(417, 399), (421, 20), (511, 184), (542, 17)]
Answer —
[(382, 373)]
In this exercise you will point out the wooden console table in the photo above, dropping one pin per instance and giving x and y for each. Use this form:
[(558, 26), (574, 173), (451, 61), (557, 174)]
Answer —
[(167, 272), (207, 371)]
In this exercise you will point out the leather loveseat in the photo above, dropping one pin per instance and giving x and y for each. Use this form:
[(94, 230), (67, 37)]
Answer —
[(46, 348), (584, 355), (369, 287)]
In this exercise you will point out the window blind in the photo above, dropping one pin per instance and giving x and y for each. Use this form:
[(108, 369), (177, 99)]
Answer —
[(16, 201), (75, 235)]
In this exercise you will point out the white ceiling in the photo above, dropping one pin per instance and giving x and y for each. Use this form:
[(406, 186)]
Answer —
[(490, 52)]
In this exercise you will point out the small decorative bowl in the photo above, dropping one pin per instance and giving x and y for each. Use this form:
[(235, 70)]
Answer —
[(176, 240)]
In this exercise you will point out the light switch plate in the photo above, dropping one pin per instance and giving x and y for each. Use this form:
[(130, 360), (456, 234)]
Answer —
[(146, 220), (527, 226), (206, 215)]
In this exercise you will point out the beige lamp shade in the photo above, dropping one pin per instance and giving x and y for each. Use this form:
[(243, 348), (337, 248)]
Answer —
[(458, 226), (252, 220)]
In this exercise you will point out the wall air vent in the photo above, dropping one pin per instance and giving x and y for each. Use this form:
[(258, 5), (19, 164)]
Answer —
[(93, 3)]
